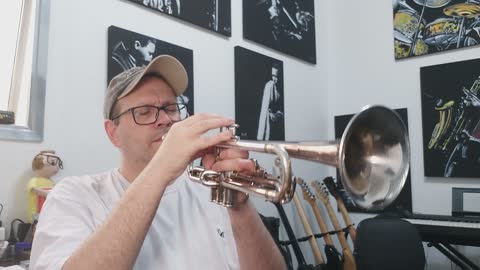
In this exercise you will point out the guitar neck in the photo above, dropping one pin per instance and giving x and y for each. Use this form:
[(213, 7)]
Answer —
[(334, 189), (308, 229), (337, 227), (346, 219), (321, 224)]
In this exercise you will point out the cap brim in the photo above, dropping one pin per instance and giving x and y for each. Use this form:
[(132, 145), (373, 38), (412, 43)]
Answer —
[(169, 68)]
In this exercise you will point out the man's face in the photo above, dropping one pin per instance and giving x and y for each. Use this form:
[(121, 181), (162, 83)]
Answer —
[(145, 53), (139, 143), (274, 75)]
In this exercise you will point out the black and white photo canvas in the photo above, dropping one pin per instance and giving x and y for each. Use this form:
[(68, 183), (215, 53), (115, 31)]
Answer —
[(451, 119), (214, 15), (284, 25), (404, 199), (127, 49), (259, 99)]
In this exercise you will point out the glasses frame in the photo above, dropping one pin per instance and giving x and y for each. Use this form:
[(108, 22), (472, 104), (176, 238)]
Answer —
[(159, 108)]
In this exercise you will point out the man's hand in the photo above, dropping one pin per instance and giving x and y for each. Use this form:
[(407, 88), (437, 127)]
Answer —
[(187, 140), (230, 160)]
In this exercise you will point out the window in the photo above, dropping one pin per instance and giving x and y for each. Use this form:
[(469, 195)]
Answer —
[(23, 52)]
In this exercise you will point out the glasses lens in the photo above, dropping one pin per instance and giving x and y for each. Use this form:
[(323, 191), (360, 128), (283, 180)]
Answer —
[(52, 160), (176, 112), (145, 115)]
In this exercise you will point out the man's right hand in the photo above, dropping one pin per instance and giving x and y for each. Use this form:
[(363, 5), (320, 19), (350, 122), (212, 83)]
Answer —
[(186, 141)]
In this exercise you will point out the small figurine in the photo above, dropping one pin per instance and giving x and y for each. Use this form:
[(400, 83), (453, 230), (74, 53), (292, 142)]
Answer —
[(45, 164)]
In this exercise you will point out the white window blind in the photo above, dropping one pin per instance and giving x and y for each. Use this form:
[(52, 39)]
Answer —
[(24, 26), (10, 14), (15, 81)]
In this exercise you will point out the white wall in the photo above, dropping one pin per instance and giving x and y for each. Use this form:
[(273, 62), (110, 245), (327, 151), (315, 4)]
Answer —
[(77, 68), (364, 72), (349, 75)]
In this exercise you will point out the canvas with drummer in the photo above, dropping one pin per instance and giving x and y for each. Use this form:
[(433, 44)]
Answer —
[(428, 26)]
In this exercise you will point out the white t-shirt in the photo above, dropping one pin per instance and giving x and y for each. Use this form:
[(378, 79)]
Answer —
[(188, 231)]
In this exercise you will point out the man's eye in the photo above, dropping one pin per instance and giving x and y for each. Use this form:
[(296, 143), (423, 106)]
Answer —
[(143, 111)]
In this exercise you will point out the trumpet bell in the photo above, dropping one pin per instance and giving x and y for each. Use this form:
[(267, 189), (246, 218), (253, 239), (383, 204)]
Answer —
[(374, 157)]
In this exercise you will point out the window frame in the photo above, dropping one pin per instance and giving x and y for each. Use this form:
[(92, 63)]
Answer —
[(34, 131)]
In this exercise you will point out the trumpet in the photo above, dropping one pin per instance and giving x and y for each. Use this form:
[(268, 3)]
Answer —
[(373, 158)]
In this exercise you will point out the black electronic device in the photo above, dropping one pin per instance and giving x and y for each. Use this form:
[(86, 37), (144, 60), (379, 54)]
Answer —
[(7, 117), (465, 202)]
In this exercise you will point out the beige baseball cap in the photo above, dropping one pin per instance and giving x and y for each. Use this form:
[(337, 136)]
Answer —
[(166, 66)]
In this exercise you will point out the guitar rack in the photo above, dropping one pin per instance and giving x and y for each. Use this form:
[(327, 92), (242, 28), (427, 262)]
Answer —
[(316, 235)]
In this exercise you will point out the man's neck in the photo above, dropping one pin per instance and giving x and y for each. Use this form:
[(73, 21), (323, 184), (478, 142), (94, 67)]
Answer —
[(130, 170)]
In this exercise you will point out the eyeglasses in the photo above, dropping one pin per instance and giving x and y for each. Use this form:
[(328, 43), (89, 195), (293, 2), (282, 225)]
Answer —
[(54, 160), (148, 114)]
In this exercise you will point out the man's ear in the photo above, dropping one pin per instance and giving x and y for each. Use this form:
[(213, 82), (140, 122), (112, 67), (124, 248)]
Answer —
[(111, 130)]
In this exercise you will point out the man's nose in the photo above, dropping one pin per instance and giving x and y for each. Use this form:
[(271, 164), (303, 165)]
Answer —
[(163, 118)]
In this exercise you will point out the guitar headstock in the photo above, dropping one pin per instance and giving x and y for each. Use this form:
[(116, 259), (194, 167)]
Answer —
[(307, 193), (321, 191), (332, 186)]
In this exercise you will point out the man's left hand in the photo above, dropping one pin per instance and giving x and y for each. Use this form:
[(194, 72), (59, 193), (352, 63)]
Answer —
[(230, 160)]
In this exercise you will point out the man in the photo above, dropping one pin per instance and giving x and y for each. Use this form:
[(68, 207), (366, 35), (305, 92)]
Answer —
[(147, 214), (131, 52), (304, 18), (280, 32), (270, 121)]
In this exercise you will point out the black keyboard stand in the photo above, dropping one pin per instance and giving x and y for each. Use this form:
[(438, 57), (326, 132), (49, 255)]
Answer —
[(444, 237), (455, 256)]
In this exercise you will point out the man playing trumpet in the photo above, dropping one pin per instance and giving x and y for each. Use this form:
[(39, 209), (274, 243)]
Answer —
[(146, 214)]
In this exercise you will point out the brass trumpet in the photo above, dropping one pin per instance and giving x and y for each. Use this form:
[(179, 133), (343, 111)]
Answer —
[(372, 156)]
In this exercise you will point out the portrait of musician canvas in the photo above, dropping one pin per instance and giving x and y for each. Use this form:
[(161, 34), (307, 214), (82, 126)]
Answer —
[(259, 96), (146, 213), (127, 49)]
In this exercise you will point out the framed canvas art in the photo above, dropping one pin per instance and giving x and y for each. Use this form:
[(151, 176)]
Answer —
[(287, 26), (259, 98), (451, 119), (428, 26), (127, 49)]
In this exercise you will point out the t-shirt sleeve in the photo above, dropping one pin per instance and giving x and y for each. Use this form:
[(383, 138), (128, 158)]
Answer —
[(64, 223)]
